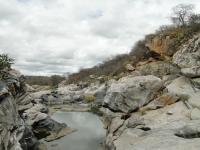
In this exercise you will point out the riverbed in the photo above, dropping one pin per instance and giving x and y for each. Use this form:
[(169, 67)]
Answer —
[(89, 135)]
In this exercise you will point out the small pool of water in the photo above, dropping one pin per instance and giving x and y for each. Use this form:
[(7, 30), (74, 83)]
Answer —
[(89, 136)]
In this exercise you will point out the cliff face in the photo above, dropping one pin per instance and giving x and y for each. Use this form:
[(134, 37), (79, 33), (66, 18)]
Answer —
[(167, 42), (188, 58), (161, 45), (12, 126), (23, 119)]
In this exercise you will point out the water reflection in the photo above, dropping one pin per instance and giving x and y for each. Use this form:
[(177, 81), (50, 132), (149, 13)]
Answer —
[(89, 136)]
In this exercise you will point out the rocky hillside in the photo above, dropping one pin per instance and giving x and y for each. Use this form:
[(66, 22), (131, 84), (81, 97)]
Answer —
[(155, 106), (23, 119), (163, 110)]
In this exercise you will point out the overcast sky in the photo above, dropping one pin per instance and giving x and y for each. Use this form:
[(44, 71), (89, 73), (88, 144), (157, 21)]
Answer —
[(57, 36)]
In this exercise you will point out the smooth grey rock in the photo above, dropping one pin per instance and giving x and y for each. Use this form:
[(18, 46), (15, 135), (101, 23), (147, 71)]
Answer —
[(130, 93), (195, 114), (195, 100), (184, 88), (156, 139), (181, 86), (189, 131), (140, 128)]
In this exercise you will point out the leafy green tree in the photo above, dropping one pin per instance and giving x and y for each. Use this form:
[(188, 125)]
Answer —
[(5, 61)]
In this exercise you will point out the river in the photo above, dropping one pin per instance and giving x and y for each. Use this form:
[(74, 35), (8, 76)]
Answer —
[(89, 135)]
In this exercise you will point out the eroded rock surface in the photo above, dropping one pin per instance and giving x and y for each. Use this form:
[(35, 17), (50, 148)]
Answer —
[(188, 57)]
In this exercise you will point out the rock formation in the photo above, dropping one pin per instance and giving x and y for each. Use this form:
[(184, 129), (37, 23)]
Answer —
[(172, 117), (23, 120)]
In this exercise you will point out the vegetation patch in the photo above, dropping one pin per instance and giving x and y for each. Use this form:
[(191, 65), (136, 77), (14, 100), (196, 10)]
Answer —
[(89, 98), (5, 61), (52, 81)]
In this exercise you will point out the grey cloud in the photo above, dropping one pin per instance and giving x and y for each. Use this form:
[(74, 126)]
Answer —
[(57, 36)]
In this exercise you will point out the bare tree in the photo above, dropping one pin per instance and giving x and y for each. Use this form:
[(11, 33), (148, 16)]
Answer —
[(182, 13)]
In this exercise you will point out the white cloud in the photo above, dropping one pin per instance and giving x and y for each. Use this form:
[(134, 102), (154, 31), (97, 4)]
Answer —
[(58, 36)]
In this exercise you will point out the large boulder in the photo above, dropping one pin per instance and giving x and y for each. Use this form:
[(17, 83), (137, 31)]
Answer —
[(50, 129), (188, 57), (159, 68), (130, 93), (34, 114), (182, 87), (185, 89)]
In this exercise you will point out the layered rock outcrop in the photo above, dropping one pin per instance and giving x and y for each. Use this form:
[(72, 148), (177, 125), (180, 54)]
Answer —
[(188, 57), (23, 120), (161, 44), (13, 131)]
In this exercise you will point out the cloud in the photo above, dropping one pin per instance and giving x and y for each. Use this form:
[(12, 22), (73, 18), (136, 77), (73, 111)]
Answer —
[(57, 36)]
